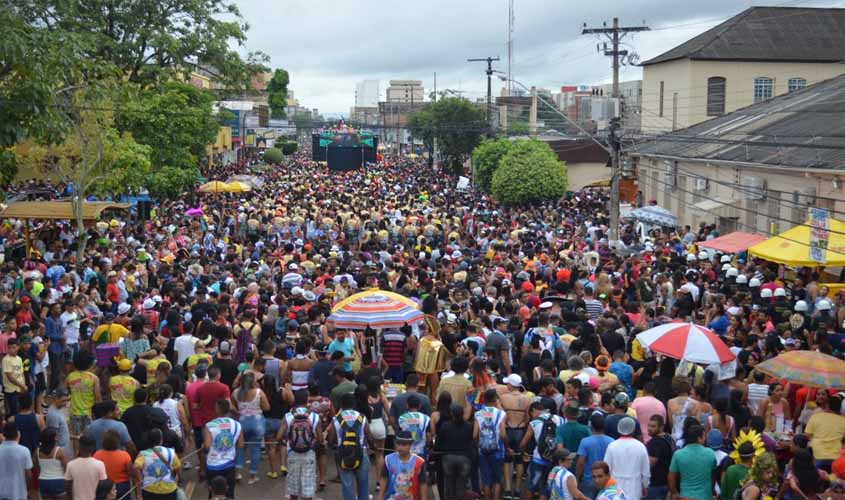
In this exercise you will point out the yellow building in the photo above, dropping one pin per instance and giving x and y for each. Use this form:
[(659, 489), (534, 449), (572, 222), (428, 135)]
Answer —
[(758, 54)]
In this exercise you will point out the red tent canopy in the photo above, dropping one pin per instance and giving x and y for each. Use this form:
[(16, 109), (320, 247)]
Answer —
[(733, 242)]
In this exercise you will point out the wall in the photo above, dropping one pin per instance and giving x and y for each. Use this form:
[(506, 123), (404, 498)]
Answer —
[(584, 174), (689, 79), (774, 214)]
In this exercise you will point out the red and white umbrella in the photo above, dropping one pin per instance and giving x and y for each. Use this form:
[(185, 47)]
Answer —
[(686, 341)]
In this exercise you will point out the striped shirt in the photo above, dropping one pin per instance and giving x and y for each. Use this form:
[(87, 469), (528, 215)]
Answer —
[(756, 394), (393, 347), (594, 308)]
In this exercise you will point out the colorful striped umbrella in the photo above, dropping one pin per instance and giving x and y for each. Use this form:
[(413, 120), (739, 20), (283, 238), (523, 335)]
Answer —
[(376, 309), (686, 341), (810, 368)]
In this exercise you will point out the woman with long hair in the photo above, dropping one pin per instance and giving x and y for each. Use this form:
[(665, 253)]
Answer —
[(802, 478), (454, 443), (176, 414), (721, 420), (250, 403), (379, 409), (775, 409), (481, 381), (442, 413), (279, 400), (52, 462)]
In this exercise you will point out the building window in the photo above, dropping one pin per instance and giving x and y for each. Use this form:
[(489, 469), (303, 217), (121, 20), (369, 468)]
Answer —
[(660, 111), (715, 96), (796, 84), (762, 88)]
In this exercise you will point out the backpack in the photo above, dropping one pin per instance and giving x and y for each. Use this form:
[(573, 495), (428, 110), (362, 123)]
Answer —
[(547, 441), (488, 435), (301, 434), (350, 452)]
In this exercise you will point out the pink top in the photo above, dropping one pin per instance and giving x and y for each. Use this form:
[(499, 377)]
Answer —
[(646, 406)]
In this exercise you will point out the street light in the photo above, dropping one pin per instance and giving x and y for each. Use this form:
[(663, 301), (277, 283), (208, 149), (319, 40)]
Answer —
[(504, 78)]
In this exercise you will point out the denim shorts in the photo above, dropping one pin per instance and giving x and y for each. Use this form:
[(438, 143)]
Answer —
[(538, 476), (491, 468), (271, 427), (51, 487), (515, 435)]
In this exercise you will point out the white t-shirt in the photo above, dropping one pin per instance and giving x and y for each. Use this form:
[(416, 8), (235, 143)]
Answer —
[(184, 347), (70, 322)]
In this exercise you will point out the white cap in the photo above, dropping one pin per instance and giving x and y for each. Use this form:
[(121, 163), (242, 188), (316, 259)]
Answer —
[(742, 279), (823, 305), (702, 255), (123, 308), (149, 303), (726, 266), (732, 272), (456, 254), (513, 380), (801, 306), (546, 305), (309, 296), (296, 290), (734, 311), (780, 292), (754, 282), (725, 258), (691, 257), (292, 266), (766, 293)]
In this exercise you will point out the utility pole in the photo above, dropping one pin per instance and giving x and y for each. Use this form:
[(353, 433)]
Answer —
[(614, 34), (489, 61), (510, 44), (434, 139)]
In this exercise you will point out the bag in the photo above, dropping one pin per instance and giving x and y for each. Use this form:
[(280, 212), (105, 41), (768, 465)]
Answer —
[(300, 433), (350, 453), (488, 435), (547, 442)]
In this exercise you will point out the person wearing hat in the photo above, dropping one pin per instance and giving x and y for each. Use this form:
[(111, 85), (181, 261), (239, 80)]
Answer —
[(404, 474), (620, 411), (562, 483), (735, 474), (628, 461), (109, 332), (122, 386), (515, 403), (573, 431)]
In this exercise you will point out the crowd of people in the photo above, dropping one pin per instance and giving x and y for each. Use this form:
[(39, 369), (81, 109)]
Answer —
[(204, 342)]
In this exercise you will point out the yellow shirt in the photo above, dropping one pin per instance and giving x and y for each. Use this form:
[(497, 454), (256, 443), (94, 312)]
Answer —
[(194, 359), (122, 388), (13, 365), (81, 385), (114, 333), (152, 366), (827, 430)]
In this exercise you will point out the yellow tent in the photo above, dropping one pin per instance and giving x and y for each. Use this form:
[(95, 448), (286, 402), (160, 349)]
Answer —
[(214, 187), (792, 247)]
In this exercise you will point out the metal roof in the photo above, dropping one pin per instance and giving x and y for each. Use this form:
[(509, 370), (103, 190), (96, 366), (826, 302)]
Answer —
[(768, 34), (801, 129)]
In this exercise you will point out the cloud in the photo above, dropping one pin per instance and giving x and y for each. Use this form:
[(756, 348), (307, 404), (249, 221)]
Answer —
[(327, 46)]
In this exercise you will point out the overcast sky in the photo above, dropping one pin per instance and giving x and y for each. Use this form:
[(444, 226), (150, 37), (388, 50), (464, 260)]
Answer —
[(327, 46)]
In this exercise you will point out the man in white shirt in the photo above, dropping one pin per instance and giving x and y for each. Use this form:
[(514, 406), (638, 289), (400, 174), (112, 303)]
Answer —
[(184, 344), (628, 461)]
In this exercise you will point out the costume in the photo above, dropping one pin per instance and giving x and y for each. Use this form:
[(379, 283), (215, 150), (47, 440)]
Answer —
[(431, 356)]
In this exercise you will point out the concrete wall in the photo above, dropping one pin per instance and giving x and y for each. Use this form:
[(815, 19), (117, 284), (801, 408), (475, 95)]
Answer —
[(689, 79), (583, 174), (775, 213)]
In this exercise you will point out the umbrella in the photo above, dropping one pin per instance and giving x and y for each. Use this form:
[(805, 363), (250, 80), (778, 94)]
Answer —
[(809, 368), (686, 341), (656, 215), (214, 187), (238, 187), (376, 309)]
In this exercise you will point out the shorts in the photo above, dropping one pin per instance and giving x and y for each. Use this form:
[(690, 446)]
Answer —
[(271, 428), (302, 474), (52, 487), (377, 429), (199, 439), (538, 476), (77, 424), (515, 435), (491, 468)]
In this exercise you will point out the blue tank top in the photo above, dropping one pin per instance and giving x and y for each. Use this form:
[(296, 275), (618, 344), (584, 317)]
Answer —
[(28, 429)]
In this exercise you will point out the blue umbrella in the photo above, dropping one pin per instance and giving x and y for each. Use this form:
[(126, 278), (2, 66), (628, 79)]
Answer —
[(653, 214)]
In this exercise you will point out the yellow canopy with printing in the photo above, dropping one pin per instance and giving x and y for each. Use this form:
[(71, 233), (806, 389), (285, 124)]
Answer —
[(792, 247)]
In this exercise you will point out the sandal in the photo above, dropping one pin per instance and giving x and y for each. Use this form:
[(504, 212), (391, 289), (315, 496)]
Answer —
[(272, 475), (283, 470), (321, 486)]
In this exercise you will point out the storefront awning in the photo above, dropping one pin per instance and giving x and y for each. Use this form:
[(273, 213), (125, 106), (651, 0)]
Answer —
[(61, 210)]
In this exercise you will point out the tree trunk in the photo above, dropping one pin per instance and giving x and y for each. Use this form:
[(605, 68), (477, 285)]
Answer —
[(81, 236)]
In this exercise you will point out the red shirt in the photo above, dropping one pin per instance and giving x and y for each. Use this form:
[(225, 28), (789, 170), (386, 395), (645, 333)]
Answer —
[(191, 394), (24, 317), (207, 396), (113, 293)]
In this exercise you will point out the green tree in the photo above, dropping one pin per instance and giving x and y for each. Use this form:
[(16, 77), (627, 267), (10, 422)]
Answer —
[(421, 125), (176, 121), (518, 128), (289, 148), (94, 158), (485, 160), (277, 94), (273, 155), (152, 42), (458, 125), (171, 182), (529, 172)]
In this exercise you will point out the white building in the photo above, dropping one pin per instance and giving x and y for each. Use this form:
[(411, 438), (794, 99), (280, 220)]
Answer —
[(366, 94), (410, 91)]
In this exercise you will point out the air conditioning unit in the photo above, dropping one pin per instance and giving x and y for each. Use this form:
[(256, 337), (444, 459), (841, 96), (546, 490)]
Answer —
[(755, 187), (701, 184)]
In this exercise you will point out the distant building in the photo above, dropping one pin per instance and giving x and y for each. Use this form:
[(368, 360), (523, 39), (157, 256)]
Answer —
[(756, 55), (405, 91), (631, 93), (367, 94)]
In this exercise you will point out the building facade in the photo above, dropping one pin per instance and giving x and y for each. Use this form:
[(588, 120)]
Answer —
[(367, 94), (410, 91), (758, 54)]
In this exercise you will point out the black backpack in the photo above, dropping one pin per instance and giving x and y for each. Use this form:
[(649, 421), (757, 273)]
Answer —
[(547, 441), (350, 452)]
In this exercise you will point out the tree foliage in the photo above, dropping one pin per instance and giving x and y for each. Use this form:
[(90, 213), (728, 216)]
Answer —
[(456, 123), (177, 122), (273, 155), (485, 160), (153, 42), (421, 125), (529, 172), (289, 147), (277, 94), (171, 182)]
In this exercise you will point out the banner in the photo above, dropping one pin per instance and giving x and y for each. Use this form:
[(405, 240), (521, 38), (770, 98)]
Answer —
[(463, 183), (819, 225)]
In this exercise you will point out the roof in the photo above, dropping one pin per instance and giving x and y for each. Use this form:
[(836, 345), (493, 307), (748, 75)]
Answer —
[(803, 129), (768, 34), (58, 209), (577, 150)]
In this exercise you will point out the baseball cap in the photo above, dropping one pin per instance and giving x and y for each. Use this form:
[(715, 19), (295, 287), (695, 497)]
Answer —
[(108, 317), (225, 347), (621, 400), (124, 365), (714, 439), (513, 380), (626, 426)]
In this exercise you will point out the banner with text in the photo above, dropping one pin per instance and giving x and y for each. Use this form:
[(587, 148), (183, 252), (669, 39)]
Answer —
[(819, 225)]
